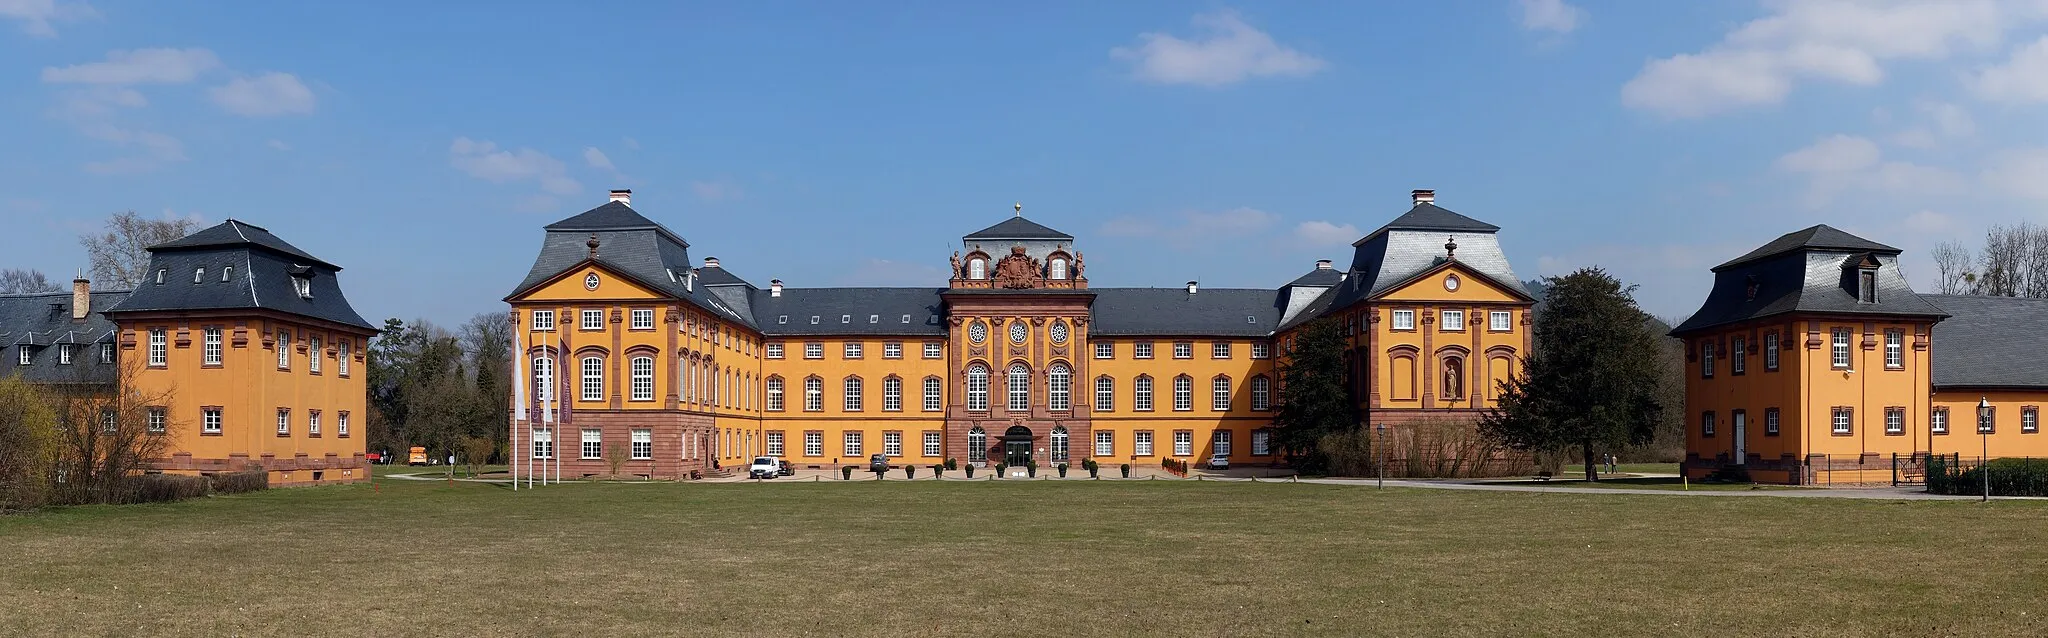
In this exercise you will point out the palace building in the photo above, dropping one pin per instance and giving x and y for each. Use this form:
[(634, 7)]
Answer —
[(247, 341), (633, 349), (1813, 361)]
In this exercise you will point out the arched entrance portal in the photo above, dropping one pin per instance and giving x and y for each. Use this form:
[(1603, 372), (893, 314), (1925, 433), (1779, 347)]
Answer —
[(1017, 446)]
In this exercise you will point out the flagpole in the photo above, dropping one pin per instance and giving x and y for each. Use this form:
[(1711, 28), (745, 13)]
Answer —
[(519, 380)]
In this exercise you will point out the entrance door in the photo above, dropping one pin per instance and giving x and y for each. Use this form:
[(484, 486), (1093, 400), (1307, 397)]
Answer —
[(1741, 429), (1017, 446)]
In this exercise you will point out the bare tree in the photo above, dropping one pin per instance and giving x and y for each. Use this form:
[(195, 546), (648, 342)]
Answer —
[(107, 432), (20, 280), (120, 256), (1952, 269), (28, 431)]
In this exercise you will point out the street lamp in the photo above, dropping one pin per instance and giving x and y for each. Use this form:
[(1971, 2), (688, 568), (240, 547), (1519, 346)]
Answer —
[(1381, 447), (1984, 435)]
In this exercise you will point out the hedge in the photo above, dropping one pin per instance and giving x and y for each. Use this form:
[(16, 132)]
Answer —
[(2009, 477), (239, 482), (162, 488)]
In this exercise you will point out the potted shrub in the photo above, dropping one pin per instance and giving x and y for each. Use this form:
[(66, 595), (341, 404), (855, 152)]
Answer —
[(970, 470), (909, 471), (1000, 468), (1126, 470), (1031, 469), (1092, 467), (1063, 470), (846, 472), (938, 470), (951, 463)]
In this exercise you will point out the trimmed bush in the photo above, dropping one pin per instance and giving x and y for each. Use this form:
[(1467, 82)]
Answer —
[(846, 472), (162, 488), (239, 482), (2009, 477), (952, 464)]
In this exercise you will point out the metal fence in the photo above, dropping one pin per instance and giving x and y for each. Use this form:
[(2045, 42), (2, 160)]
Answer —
[(2003, 476)]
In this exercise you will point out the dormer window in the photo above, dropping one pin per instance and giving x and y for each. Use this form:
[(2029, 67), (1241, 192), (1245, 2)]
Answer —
[(845, 318), (198, 274), (1866, 285), (304, 286), (1057, 269), (160, 275), (874, 318), (227, 273), (814, 320), (977, 269)]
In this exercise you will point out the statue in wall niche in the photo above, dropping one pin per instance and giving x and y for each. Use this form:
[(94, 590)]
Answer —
[(1454, 378)]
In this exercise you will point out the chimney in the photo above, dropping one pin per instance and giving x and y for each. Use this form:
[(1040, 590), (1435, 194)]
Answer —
[(623, 196), (1322, 264), (1423, 196), (774, 287), (81, 298), (710, 262), (1191, 287)]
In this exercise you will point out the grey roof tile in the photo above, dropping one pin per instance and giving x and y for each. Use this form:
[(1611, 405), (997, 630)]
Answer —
[(1820, 236), (1018, 228), (261, 277), (41, 320), (1809, 276), (1990, 342), (234, 233), (851, 311), (1231, 312)]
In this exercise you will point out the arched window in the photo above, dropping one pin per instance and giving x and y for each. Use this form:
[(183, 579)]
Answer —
[(933, 401), (977, 269), (1141, 394), (1105, 394), (977, 443), (1059, 444), (1020, 388), (1183, 393), (643, 378), (892, 394), (1057, 268), (814, 394), (593, 378), (853, 394), (775, 394), (977, 388), (543, 378), (1262, 393), (1058, 388), (1219, 394)]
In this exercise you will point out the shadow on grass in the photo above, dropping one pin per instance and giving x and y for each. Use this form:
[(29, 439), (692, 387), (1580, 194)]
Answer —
[(1647, 483)]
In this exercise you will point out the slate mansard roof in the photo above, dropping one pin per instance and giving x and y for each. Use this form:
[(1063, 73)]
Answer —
[(1812, 270), (37, 321), (1407, 247), (245, 268), (1018, 228), (1990, 342), (628, 243)]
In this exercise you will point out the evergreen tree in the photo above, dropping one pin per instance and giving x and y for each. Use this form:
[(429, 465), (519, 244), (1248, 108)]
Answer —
[(1315, 401), (1593, 379)]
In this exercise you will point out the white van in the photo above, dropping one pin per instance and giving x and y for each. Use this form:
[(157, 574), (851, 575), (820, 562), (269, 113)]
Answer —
[(764, 467)]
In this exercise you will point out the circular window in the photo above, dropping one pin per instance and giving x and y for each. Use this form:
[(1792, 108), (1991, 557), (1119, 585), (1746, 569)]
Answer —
[(1018, 332), (1059, 333), (977, 332), (1451, 283), (590, 281)]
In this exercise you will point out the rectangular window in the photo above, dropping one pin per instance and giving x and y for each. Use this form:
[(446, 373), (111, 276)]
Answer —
[(1262, 393), (1105, 394), (543, 444), (1770, 352), (775, 351), (1219, 394), (932, 399), (2030, 420), (1500, 320), (814, 444), (853, 349), (593, 443), (341, 424), (643, 444), (210, 421), (1105, 443), (593, 319), (1220, 442), (1988, 423), (892, 350), (1262, 442), (1141, 444), (106, 353), (544, 320), (64, 354), (1707, 360), (1844, 421), (22, 354), (1770, 421), (313, 355), (1219, 350), (284, 422), (1453, 320), (1183, 350), (341, 359), (1105, 350), (1937, 421), (892, 394), (1141, 394), (1141, 350), (1738, 355), (1894, 349), (814, 350), (1183, 443), (313, 423), (158, 421), (1404, 320), (1707, 424), (931, 444), (853, 444), (1261, 350), (1894, 421), (932, 350), (643, 319), (892, 443), (1183, 393), (284, 349), (1841, 348), (156, 348)]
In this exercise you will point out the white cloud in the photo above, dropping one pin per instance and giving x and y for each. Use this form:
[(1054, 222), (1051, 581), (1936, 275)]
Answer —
[(1843, 41), (2022, 79), (484, 160), (1946, 122), (267, 95), (139, 66), (36, 15), (1842, 163), (1551, 15), (1229, 51), (596, 158), (2021, 172), (720, 189), (96, 102), (1834, 154), (1321, 233)]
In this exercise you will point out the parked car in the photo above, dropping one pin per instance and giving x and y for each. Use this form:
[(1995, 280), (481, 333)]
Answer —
[(416, 456), (765, 467), (786, 469), (1218, 462), (878, 463)]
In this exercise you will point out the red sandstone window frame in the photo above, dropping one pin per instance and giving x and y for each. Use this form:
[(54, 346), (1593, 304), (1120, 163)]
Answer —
[(341, 424), (633, 318), (1771, 342), (1142, 442), (1771, 417), (1988, 424), (1894, 349), (934, 350), (814, 443), (1707, 424), (1394, 321), (892, 438), (1738, 355), (1707, 352), (892, 349), (220, 418), (1842, 421), (2030, 419), (312, 424), (1938, 427), (1894, 415)]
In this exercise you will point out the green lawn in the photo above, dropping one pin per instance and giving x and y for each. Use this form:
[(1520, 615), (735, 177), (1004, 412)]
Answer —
[(1648, 483), (1020, 558)]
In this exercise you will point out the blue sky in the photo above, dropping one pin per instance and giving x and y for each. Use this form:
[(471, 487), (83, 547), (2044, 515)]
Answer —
[(833, 144)]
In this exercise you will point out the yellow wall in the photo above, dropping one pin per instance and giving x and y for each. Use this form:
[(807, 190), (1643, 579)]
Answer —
[(872, 420), (1408, 366), (1202, 421)]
